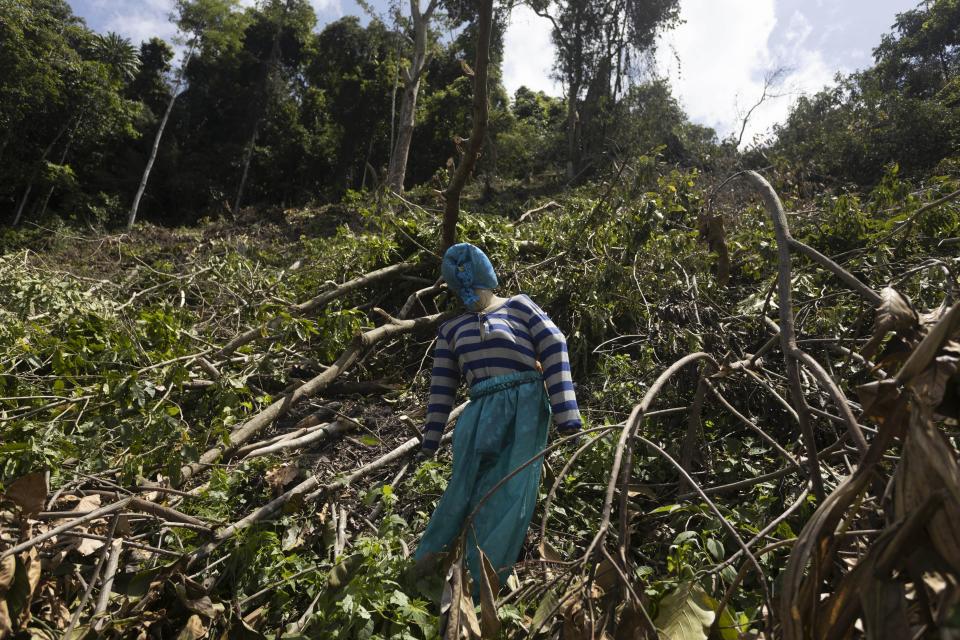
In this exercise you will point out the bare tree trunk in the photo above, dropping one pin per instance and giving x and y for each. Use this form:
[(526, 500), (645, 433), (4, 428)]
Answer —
[(26, 194), (23, 203), (411, 88), (63, 158), (156, 143), (251, 143), (451, 211), (247, 155), (573, 126)]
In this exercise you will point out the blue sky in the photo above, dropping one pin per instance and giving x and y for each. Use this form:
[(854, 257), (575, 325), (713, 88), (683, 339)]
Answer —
[(716, 60)]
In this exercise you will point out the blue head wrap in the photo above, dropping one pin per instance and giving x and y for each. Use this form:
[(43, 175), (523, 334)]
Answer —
[(466, 267)]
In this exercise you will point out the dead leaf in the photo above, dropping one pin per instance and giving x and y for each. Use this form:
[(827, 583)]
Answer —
[(193, 630), (606, 576), (6, 625), (632, 625), (895, 313), (280, 476), (201, 604), (8, 567), (549, 553), (29, 492), (450, 601), (489, 588), (577, 625), (89, 503), (87, 546)]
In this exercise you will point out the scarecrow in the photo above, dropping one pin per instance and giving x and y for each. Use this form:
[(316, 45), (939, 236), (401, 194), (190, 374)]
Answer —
[(515, 363)]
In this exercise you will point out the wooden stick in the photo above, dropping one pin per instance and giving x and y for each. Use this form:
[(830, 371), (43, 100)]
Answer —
[(323, 433), (108, 575), (93, 578)]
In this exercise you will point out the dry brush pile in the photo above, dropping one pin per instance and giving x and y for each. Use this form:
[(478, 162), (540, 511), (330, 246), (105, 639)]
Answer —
[(194, 447)]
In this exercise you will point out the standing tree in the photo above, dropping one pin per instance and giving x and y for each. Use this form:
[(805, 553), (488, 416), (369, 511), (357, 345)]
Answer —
[(598, 42), (192, 20), (472, 147), (288, 23), (411, 87)]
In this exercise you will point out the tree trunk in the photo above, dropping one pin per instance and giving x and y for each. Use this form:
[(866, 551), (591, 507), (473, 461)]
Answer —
[(63, 158), (26, 194), (156, 143), (23, 203), (451, 212), (397, 170), (573, 126), (248, 150)]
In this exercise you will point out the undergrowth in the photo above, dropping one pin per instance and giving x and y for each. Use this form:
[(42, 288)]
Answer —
[(100, 335)]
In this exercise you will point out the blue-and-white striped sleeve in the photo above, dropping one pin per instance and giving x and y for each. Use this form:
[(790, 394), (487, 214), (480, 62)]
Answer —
[(551, 349), (443, 391)]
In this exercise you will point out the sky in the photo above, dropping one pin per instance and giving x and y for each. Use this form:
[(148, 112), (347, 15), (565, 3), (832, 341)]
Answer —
[(716, 59)]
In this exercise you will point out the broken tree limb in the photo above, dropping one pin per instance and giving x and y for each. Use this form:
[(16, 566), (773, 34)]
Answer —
[(314, 304), (312, 485), (839, 398), (530, 213), (310, 490), (322, 433), (259, 444), (116, 546), (418, 295), (788, 337), (309, 389)]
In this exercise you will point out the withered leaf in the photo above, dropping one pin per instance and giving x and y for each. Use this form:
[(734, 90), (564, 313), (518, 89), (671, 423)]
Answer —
[(6, 624), (193, 630), (8, 567), (489, 588), (29, 492), (280, 476)]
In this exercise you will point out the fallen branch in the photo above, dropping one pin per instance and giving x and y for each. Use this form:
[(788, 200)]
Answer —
[(322, 433), (788, 337), (314, 304), (530, 213), (316, 490), (309, 389)]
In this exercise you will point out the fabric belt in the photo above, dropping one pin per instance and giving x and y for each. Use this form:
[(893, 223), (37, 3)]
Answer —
[(499, 383)]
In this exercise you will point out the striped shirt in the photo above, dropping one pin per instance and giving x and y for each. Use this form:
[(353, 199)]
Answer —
[(510, 338)]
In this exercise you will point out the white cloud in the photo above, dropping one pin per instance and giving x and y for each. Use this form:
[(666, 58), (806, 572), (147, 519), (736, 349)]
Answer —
[(528, 53), (141, 20), (718, 58)]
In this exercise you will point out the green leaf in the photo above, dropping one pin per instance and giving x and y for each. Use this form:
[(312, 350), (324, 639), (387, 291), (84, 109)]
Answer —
[(548, 607), (667, 508), (685, 614), (715, 547)]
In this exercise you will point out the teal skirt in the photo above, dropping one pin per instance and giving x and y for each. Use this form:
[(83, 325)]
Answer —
[(504, 425)]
